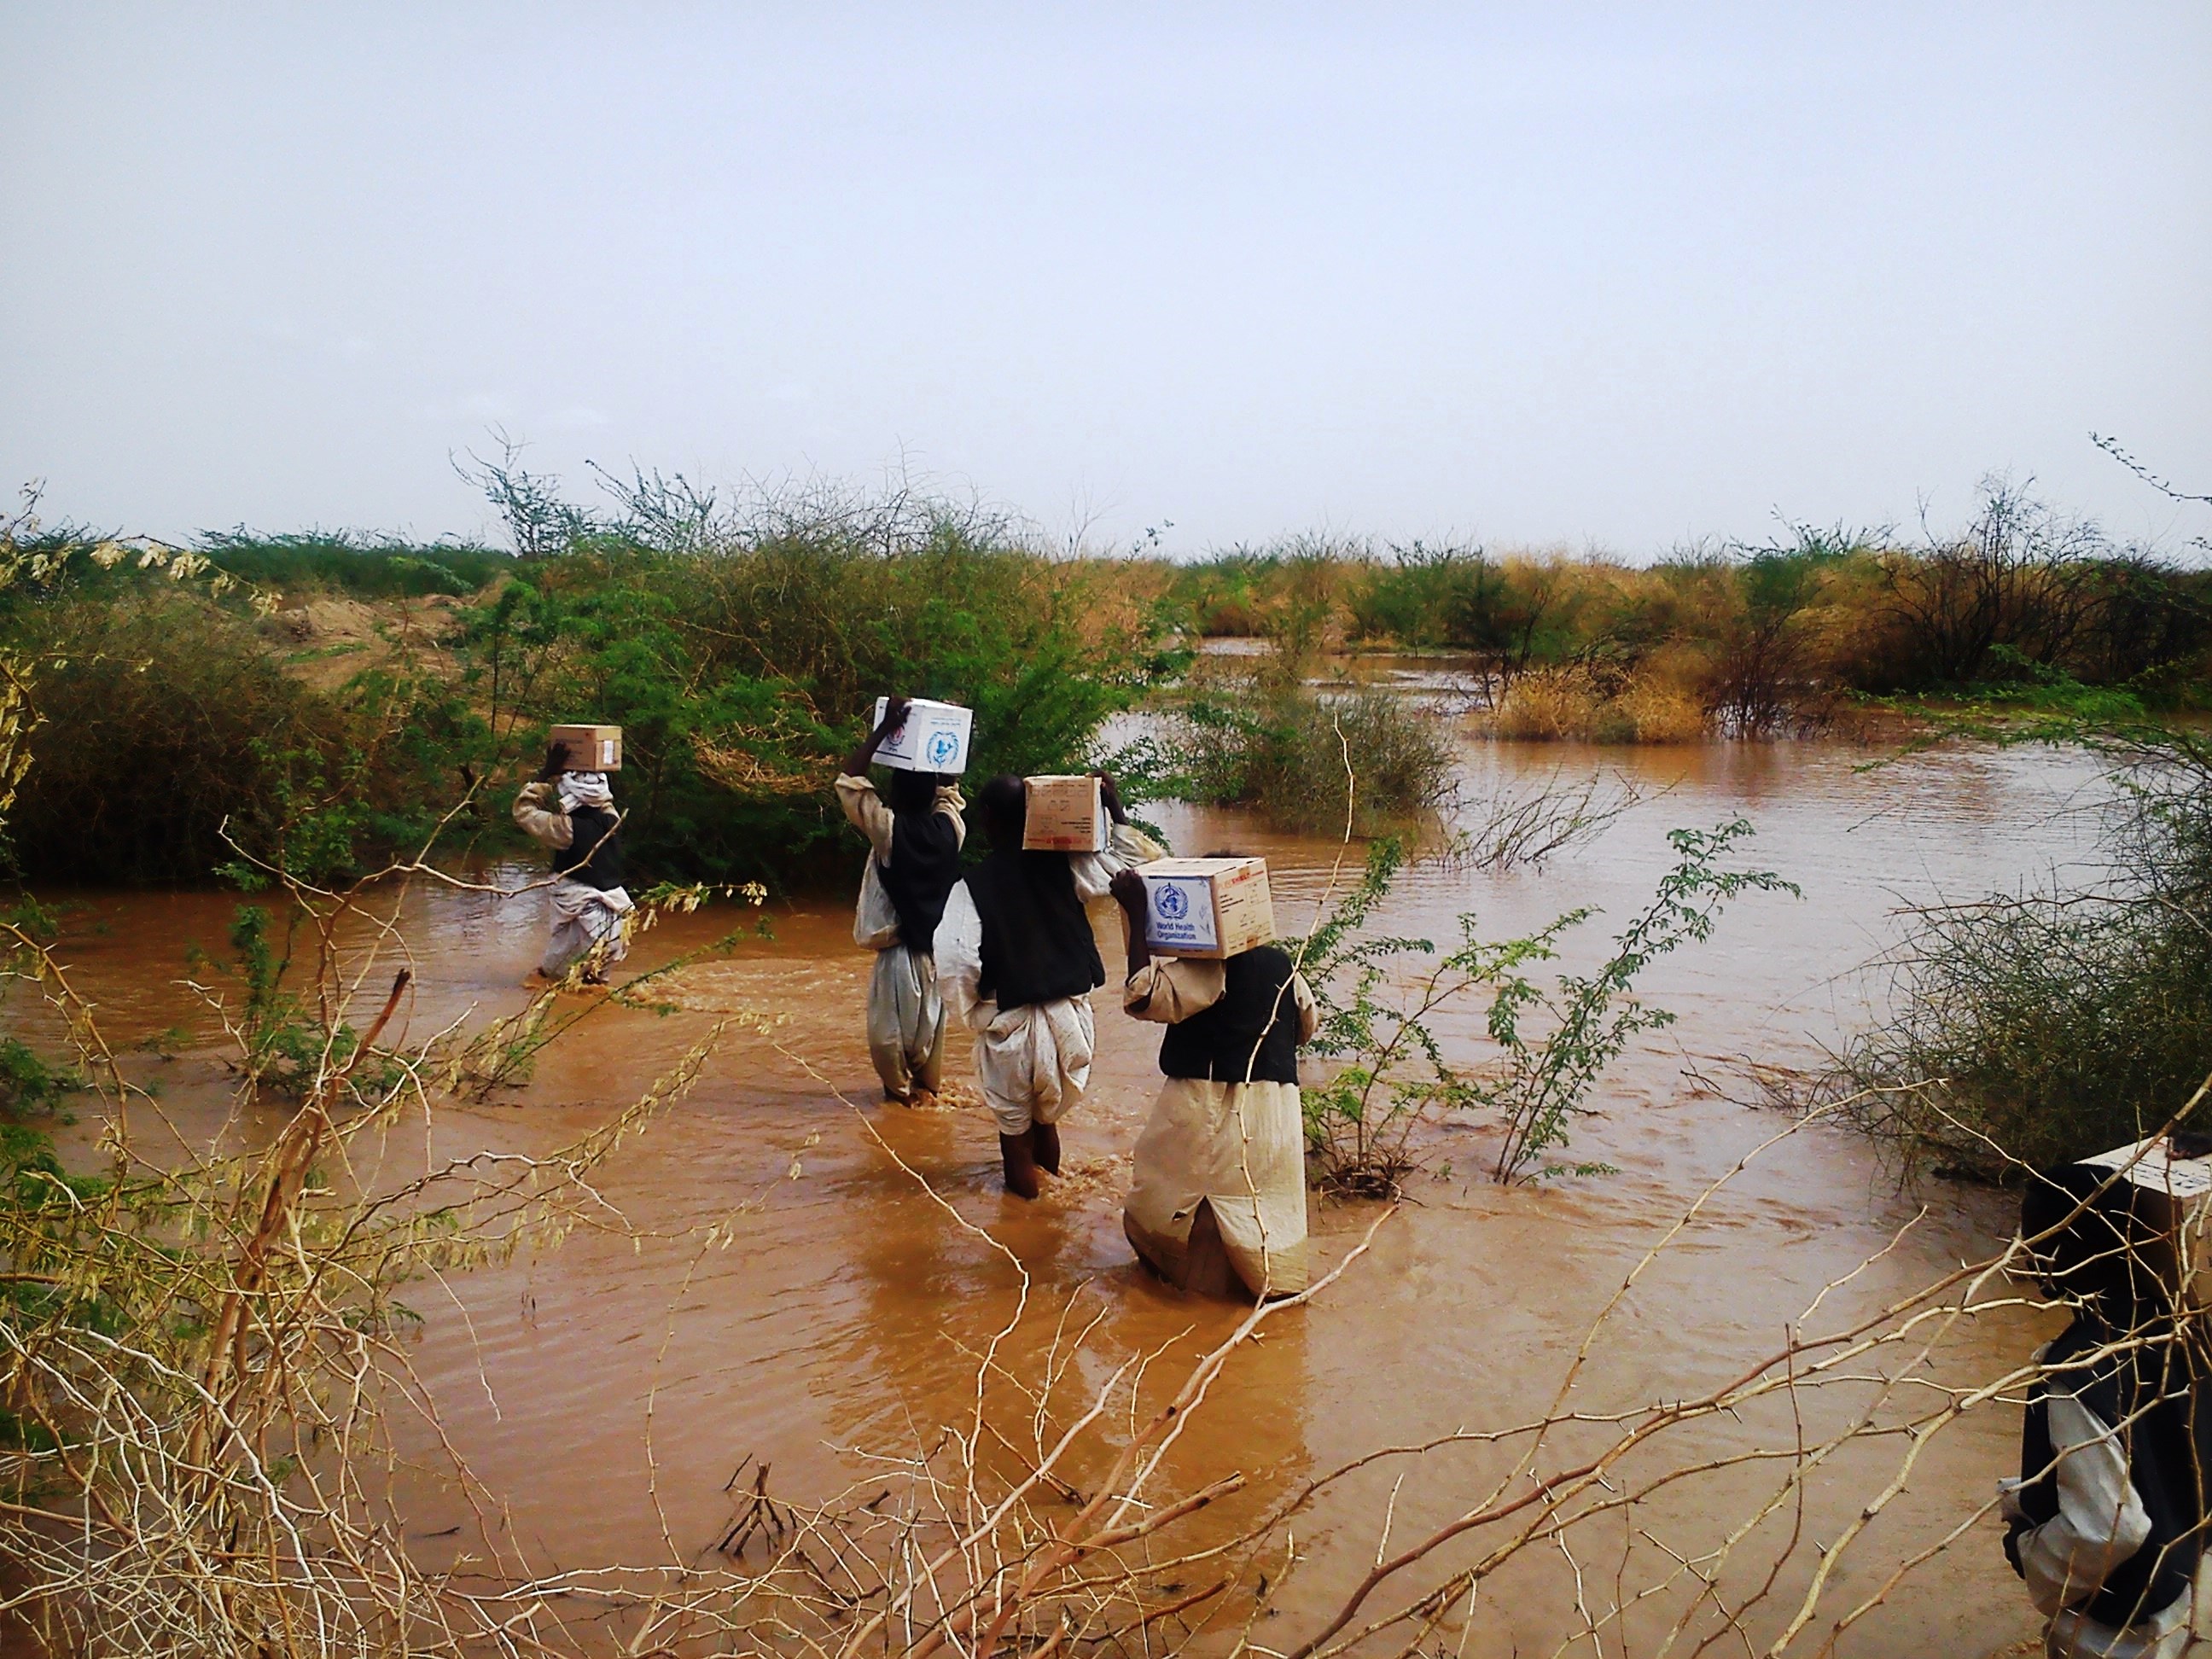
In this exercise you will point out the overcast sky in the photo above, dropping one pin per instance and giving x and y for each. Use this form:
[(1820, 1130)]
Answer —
[(1536, 274)]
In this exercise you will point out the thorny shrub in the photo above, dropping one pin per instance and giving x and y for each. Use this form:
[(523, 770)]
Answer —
[(2028, 1028)]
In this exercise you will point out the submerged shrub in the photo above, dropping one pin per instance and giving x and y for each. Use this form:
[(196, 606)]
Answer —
[(1573, 704), (2032, 1030), (1301, 756), (1550, 1044)]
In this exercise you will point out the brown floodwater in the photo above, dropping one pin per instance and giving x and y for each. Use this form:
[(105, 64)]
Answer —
[(839, 1308)]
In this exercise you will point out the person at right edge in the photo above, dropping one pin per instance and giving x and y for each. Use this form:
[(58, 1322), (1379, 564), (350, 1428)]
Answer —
[(2106, 1522), (1017, 961), (1218, 1201)]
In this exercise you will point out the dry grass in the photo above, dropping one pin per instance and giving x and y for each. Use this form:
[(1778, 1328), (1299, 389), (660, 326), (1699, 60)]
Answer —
[(1570, 704)]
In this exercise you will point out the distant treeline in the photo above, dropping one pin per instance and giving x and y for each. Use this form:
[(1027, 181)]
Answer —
[(1743, 640), (189, 722)]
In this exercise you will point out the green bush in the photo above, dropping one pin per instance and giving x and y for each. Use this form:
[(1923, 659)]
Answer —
[(1301, 756), (741, 676), (165, 718), (2031, 1030), (27, 1083), (348, 563)]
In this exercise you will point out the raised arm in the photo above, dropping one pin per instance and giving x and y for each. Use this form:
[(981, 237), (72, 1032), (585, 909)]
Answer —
[(537, 806), (895, 710), (1128, 889), (1127, 847)]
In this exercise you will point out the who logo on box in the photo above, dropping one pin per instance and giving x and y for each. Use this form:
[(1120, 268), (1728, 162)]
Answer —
[(933, 737), (1170, 901)]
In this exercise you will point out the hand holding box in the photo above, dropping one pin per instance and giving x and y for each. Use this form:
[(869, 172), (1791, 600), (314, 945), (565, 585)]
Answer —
[(591, 748), (1063, 814), (934, 737)]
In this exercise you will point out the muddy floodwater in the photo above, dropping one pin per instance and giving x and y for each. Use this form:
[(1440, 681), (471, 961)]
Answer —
[(606, 1388)]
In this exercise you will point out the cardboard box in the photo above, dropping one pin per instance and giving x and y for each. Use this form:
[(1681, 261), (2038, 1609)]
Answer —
[(1064, 815), (934, 737), (591, 748), (2181, 1203), (1211, 907)]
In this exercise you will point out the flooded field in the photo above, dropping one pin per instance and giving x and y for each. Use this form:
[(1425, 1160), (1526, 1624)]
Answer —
[(789, 1270)]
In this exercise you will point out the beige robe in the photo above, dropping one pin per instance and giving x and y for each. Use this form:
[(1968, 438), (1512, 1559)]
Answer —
[(906, 1015), (584, 921), (1032, 1063), (1237, 1149)]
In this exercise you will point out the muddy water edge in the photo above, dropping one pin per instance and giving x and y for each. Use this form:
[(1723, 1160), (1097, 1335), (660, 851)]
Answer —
[(606, 1388)]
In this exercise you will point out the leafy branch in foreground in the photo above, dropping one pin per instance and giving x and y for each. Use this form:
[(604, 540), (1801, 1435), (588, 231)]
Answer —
[(1377, 1014)]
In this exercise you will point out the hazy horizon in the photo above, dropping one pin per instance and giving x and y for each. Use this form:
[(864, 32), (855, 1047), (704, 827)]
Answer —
[(1591, 278)]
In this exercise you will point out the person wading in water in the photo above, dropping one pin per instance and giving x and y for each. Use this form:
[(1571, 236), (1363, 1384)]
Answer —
[(574, 814), (914, 863), (1017, 961), (2107, 1521), (1218, 1202)]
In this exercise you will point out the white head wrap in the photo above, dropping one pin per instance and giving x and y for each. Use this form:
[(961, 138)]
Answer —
[(586, 789)]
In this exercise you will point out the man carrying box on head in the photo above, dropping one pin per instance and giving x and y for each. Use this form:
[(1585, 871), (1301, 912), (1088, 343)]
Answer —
[(2106, 1519), (1016, 960), (574, 814), (1218, 1201), (914, 863)]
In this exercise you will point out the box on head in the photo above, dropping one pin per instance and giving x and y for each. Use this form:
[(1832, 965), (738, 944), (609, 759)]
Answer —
[(1207, 907), (1063, 814), (591, 748), (2180, 1203), (934, 737)]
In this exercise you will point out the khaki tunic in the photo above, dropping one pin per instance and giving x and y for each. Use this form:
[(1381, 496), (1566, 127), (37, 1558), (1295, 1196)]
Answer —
[(1237, 1149), (906, 1016)]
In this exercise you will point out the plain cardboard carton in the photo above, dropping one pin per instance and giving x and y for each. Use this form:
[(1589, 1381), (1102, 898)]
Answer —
[(934, 737), (2182, 1201), (592, 748), (1064, 814), (1209, 908)]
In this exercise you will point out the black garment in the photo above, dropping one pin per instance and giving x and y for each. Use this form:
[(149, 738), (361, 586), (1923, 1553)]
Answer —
[(2148, 1396), (1251, 1034), (1037, 946), (925, 868), (593, 854)]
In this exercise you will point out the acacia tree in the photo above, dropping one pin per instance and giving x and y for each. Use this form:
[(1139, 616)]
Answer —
[(2023, 577)]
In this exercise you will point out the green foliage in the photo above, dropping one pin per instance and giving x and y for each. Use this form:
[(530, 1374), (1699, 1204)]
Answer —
[(1514, 613), (1302, 758), (1380, 996), (740, 677), (171, 741), (280, 1043), (2029, 1030), (27, 1083), (346, 562)]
